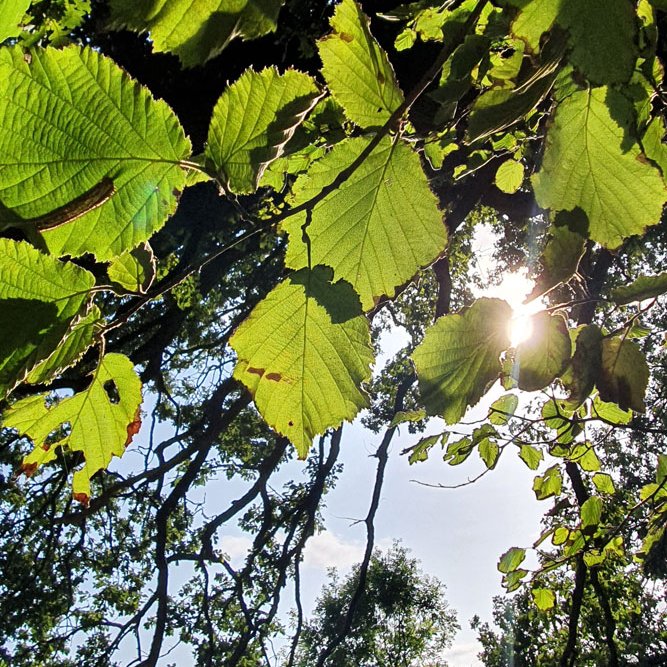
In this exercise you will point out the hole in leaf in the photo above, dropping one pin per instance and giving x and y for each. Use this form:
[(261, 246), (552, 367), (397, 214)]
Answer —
[(112, 391)]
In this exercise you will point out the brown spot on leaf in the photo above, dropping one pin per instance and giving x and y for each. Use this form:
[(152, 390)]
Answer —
[(28, 469), (346, 37), (133, 427), (46, 446), (290, 423), (176, 192), (276, 377), (82, 498), (381, 78), (256, 371)]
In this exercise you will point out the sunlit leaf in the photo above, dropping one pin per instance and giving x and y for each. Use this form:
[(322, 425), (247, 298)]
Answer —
[(460, 357), (101, 421), (544, 356), (624, 374), (89, 122), (644, 287), (501, 410), (196, 30), (39, 298), (407, 416), (549, 484), (591, 163), (489, 451), (584, 367), (604, 483), (303, 353), (11, 14), (511, 560), (377, 229), (544, 598), (458, 451), (610, 412), (253, 120), (357, 70), (134, 270), (585, 456), (531, 456), (419, 452), (509, 176), (591, 512)]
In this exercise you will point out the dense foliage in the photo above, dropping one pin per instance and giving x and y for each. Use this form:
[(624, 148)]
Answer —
[(231, 224)]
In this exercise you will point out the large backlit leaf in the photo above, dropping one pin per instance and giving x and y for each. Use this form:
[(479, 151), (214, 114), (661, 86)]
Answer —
[(196, 30), (253, 120), (357, 70), (39, 297), (591, 163), (543, 357), (70, 120), (99, 421), (584, 368), (303, 353), (624, 374), (378, 228), (11, 14), (459, 357), (644, 287)]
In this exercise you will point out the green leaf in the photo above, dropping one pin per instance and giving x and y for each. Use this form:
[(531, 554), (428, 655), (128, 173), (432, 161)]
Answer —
[(549, 484), (610, 412), (39, 298), (134, 270), (502, 409), (377, 229), (357, 70), (11, 15), (585, 456), (419, 452), (459, 357), (196, 30), (253, 120), (603, 37), (544, 598), (604, 483), (489, 452), (591, 512), (557, 416), (79, 338), (512, 580), (89, 124), (511, 560), (457, 452), (624, 374), (661, 470), (102, 421), (544, 356), (585, 365), (560, 259), (589, 162), (535, 18), (407, 416), (644, 287), (509, 176), (531, 456), (303, 353)]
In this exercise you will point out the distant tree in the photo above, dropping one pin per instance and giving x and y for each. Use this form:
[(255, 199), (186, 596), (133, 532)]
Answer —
[(402, 618)]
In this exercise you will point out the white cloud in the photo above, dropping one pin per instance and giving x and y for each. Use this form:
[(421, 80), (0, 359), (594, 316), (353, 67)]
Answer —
[(463, 655), (235, 547), (326, 550)]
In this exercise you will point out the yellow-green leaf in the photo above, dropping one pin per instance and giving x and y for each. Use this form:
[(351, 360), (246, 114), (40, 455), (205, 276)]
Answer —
[(11, 14), (624, 374)]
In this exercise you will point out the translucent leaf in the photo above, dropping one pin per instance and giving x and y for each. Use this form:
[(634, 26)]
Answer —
[(196, 30), (560, 259), (377, 229), (549, 484), (357, 70), (502, 410), (420, 451), (531, 456), (407, 416), (591, 163), (134, 270), (89, 124), (610, 412), (604, 483), (303, 353), (591, 512), (11, 14), (585, 456), (544, 598), (535, 18), (459, 357), (458, 451), (644, 287), (39, 298), (511, 560), (584, 366), (489, 451), (512, 580), (557, 416), (624, 374), (101, 421), (544, 356), (509, 176), (253, 120), (78, 339)]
